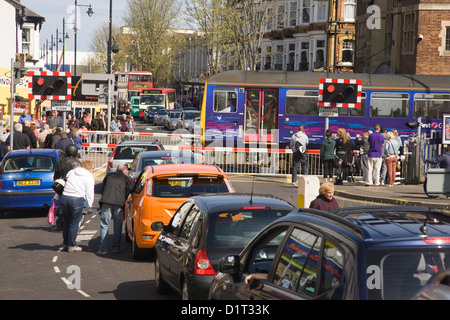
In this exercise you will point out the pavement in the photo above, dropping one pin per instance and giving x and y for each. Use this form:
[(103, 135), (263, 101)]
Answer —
[(401, 194)]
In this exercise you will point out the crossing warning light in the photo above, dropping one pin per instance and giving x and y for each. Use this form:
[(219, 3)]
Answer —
[(46, 85), (345, 93)]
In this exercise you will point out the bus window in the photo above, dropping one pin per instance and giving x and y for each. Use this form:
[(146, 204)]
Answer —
[(431, 105), (300, 102), (355, 112), (389, 105), (225, 101)]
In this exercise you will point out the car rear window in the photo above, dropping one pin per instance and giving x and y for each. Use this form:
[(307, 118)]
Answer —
[(238, 227), (130, 152), (168, 160), (35, 163), (399, 275), (180, 187)]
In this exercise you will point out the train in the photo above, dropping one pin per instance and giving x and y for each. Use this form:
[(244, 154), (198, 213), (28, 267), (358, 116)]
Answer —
[(268, 106)]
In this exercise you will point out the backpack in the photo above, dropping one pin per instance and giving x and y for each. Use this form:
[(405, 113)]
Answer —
[(300, 147)]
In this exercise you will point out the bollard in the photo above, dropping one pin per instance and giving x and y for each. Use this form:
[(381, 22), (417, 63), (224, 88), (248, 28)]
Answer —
[(308, 190)]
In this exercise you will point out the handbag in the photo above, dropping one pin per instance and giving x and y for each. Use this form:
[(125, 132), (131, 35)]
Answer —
[(59, 185), (51, 214)]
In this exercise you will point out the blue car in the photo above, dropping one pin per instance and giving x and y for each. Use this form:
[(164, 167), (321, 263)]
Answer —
[(26, 177)]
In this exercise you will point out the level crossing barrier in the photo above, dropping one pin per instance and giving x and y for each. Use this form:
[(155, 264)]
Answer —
[(98, 145)]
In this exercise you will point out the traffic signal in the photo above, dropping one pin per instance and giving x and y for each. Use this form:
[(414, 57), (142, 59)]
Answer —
[(49, 85), (344, 93)]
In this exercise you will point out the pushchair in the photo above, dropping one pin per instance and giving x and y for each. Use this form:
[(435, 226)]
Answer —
[(345, 170)]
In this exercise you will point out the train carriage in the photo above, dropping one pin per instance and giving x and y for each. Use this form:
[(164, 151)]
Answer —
[(270, 105)]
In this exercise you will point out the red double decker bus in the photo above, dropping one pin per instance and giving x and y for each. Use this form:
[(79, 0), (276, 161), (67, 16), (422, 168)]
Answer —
[(130, 84)]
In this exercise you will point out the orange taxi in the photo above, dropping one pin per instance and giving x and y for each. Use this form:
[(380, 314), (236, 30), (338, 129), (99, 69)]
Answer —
[(157, 194)]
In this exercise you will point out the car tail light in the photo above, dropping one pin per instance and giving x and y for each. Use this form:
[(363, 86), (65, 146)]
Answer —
[(202, 265), (437, 240), (110, 163), (254, 207), (149, 187)]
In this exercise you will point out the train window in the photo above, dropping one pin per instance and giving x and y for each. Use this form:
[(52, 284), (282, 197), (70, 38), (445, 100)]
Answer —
[(354, 112), (431, 105), (301, 102), (389, 105), (225, 100)]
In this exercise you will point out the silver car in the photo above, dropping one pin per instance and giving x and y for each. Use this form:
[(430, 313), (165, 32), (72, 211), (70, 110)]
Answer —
[(187, 118), (126, 151)]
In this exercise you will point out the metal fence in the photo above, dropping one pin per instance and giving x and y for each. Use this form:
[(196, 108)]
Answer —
[(264, 161)]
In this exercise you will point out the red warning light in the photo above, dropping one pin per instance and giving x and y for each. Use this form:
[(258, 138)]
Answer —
[(331, 88), (40, 81)]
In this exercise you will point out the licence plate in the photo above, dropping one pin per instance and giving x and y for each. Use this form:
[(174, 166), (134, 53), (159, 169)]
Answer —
[(28, 182)]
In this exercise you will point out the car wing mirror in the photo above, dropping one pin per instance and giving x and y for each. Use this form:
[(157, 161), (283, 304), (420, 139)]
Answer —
[(229, 265)]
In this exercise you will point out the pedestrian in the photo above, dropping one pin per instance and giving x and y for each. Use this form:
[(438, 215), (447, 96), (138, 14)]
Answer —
[(442, 161), (54, 120), (52, 138), (298, 144), (45, 130), (376, 141), (363, 143), (131, 125), (24, 116), (30, 133), (344, 151), (79, 189), (327, 155), (325, 200), (20, 139), (67, 162), (114, 191), (123, 123), (391, 151), (383, 169), (63, 142)]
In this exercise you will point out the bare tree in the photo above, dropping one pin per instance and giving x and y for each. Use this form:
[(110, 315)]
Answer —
[(153, 43)]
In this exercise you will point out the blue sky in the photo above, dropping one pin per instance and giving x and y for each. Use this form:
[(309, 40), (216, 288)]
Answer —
[(55, 10)]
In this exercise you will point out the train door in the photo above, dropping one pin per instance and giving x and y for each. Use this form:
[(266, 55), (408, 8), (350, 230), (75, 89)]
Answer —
[(261, 110)]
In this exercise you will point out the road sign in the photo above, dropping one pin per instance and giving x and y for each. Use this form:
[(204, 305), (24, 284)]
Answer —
[(61, 105), (341, 93), (96, 84), (46, 85), (328, 112)]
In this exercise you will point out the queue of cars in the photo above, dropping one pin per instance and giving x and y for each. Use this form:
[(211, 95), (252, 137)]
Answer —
[(172, 119)]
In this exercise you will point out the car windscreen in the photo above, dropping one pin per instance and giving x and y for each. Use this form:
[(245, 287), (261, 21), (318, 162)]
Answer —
[(235, 228), (130, 152), (174, 114), (155, 99), (191, 115), (180, 187), (27, 163), (168, 160), (394, 274)]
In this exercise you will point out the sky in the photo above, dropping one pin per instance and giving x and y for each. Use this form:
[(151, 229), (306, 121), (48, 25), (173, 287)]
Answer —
[(55, 10)]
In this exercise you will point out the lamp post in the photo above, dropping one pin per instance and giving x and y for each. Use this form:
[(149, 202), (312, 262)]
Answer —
[(90, 12), (112, 47)]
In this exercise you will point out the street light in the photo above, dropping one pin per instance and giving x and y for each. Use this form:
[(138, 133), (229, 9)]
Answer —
[(90, 12), (112, 47)]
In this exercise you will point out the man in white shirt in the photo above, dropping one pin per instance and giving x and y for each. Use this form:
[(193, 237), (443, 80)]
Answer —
[(298, 144)]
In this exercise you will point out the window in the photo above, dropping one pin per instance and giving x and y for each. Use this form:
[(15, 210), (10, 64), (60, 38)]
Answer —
[(179, 217), (222, 99), (355, 112), (332, 269), (26, 43), (431, 105), (306, 11), (27, 163), (293, 14), (300, 102), (233, 228), (444, 35), (409, 20), (389, 105), (189, 222), (349, 10), (347, 52), (321, 10), (280, 17), (297, 267)]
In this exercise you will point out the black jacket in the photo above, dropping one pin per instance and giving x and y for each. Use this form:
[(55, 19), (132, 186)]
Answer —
[(115, 189), (64, 165)]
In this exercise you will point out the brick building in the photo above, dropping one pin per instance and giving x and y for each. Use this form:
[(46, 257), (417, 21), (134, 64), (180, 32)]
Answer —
[(403, 36)]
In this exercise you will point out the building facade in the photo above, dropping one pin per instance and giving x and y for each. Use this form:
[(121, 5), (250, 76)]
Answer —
[(403, 36)]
